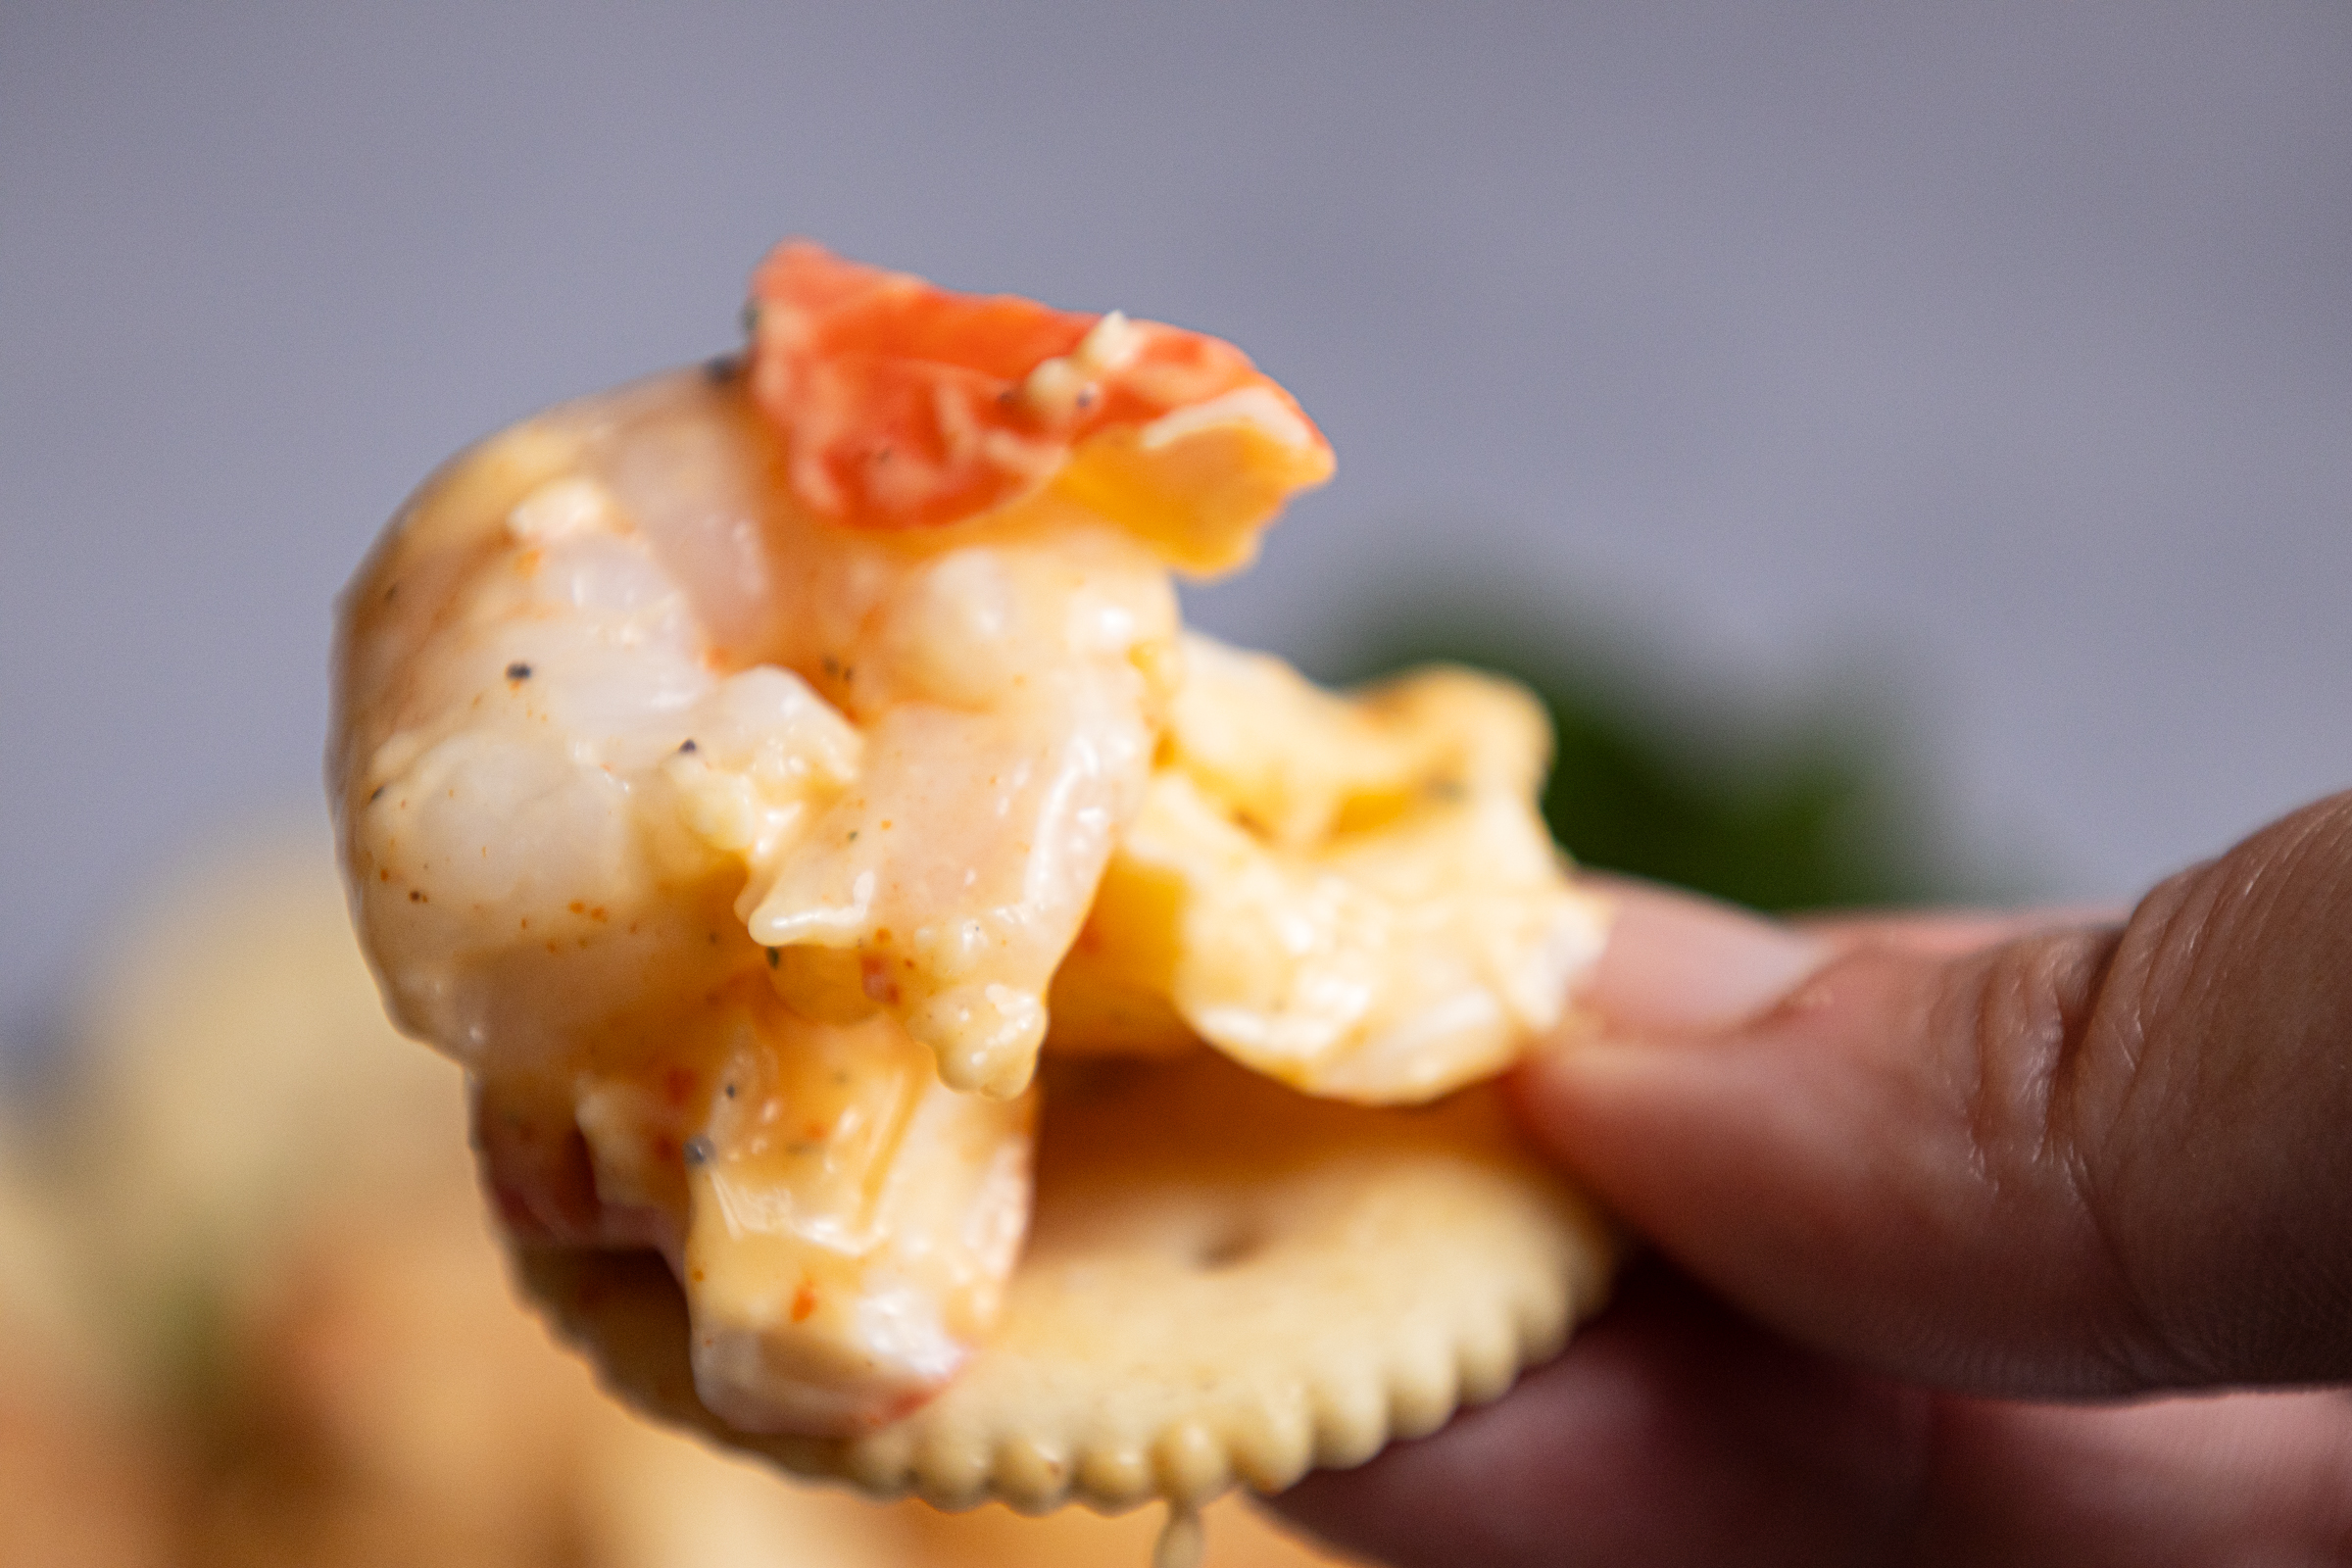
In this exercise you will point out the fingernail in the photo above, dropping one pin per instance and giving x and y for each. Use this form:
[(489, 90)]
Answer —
[(1677, 965)]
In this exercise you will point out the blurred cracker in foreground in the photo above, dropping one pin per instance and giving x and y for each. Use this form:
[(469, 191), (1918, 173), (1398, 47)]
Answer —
[(271, 1193), (82, 1483)]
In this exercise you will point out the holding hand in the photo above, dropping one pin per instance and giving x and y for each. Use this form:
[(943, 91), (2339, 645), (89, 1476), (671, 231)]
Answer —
[(1910, 1181)]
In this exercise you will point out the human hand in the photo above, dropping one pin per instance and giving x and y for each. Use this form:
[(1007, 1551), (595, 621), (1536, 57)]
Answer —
[(1910, 1182)]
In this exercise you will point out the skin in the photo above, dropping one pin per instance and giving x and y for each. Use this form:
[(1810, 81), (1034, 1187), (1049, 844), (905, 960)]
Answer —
[(1968, 1235)]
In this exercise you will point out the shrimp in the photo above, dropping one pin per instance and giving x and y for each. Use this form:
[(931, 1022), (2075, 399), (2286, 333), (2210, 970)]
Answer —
[(1012, 688), (843, 1223), (724, 766)]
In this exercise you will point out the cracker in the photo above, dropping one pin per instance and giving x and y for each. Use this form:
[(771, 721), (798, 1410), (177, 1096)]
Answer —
[(1226, 1283)]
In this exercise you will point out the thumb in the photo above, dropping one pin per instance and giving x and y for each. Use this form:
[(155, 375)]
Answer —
[(2082, 1160)]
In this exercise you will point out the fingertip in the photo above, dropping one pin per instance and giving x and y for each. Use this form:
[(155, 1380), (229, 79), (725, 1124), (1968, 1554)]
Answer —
[(1677, 964), (1660, 1128)]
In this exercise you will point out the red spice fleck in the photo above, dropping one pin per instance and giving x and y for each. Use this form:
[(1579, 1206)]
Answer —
[(677, 1085), (804, 1301)]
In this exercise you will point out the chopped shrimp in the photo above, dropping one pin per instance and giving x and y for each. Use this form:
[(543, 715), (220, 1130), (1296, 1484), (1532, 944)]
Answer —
[(854, 1221), (842, 1222), (798, 706), (907, 405)]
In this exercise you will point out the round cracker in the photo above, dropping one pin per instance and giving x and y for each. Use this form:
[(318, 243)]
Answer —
[(1225, 1282)]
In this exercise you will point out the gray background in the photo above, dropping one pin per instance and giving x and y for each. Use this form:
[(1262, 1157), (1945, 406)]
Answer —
[(1995, 362)]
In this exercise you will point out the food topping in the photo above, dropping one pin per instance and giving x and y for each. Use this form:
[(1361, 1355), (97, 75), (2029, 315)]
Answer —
[(906, 406), (1354, 895), (748, 775)]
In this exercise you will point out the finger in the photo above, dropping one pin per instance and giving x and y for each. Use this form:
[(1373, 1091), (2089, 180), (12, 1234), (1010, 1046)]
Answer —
[(1672, 1433), (2081, 1162), (1656, 926), (2244, 1478), (1949, 932), (1677, 964)]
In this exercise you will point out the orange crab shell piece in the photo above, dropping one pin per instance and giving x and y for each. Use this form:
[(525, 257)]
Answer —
[(904, 405)]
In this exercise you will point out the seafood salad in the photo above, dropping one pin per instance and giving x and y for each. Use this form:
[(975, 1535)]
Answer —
[(747, 773)]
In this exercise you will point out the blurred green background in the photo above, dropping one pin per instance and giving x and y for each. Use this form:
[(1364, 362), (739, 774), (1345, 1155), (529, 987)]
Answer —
[(1801, 805)]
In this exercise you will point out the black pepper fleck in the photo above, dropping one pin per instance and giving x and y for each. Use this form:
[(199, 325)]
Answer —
[(775, 956), (377, 792), (518, 671), (730, 1090), (721, 368), (698, 1151), (688, 745)]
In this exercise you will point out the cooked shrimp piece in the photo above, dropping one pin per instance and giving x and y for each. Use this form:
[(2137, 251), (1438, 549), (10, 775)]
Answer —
[(1007, 692), (841, 1222), (814, 690), (843, 1260), (1016, 684), (907, 405), (564, 787), (1004, 676)]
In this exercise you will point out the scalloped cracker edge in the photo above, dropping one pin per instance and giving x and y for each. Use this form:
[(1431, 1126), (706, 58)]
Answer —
[(1226, 1283)]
